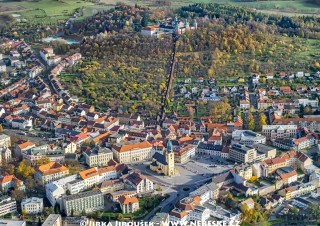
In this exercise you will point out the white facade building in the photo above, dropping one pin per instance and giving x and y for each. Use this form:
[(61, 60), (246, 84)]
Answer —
[(32, 205), (87, 201), (279, 131), (7, 205), (247, 137)]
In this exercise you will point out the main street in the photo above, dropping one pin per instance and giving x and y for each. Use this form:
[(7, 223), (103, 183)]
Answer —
[(179, 186)]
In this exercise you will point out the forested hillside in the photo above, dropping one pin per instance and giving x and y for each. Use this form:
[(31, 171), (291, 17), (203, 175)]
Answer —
[(122, 70), (228, 51), (305, 27)]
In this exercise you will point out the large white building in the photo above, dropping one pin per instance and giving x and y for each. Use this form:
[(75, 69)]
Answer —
[(132, 151), (279, 131), (7, 205), (32, 205), (247, 137), (84, 180), (306, 102), (55, 190), (83, 202), (98, 156)]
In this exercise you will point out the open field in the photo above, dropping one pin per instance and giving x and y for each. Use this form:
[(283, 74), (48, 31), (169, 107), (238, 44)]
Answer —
[(43, 11), (54, 11)]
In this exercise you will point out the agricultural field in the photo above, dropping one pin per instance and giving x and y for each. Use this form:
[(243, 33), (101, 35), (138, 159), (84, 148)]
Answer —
[(42, 11), (56, 11)]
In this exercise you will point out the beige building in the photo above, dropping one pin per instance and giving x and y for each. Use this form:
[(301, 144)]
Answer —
[(244, 170), (6, 155), (132, 151), (51, 172), (112, 186), (279, 131), (242, 153), (297, 160), (53, 220), (5, 141), (268, 166), (98, 156), (128, 205), (297, 191), (269, 151), (69, 147)]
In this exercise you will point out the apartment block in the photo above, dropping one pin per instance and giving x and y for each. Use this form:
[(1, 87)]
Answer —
[(7, 205), (86, 201), (242, 153)]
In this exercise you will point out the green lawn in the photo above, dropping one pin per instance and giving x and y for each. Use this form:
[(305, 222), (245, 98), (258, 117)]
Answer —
[(43, 11)]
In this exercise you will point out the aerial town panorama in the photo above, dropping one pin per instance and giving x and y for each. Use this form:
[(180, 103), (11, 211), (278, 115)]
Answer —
[(159, 112)]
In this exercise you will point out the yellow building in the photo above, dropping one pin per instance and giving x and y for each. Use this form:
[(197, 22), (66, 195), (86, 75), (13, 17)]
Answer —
[(164, 163)]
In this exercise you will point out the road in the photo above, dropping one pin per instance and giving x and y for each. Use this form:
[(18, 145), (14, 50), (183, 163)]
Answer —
[(169, 84), (179, 186), (18, 134), (253, 100)]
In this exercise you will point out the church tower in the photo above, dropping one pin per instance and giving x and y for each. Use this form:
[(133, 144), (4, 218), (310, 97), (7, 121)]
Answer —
[(170, 159)]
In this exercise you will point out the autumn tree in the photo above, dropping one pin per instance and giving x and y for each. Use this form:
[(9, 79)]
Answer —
[(221, 110), (43, 161), (17, 194), (251, 122), (8, 168), (24, 170), (307, 110), (262, 121)]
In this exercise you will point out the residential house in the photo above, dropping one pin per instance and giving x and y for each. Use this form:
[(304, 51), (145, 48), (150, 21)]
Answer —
[(128, 204), (11, 182)]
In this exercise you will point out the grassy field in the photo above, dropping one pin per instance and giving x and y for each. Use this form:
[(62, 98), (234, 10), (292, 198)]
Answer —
[(43, 11), (53, 11)]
